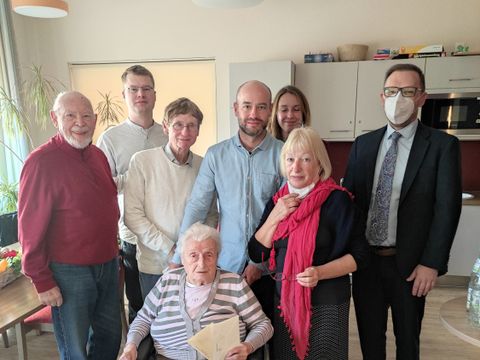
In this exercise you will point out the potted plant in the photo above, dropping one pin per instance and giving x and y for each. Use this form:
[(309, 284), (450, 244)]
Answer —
[(8, 197), (37, 93)]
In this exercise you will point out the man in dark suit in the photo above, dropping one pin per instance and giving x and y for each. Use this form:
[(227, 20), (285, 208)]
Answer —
[(406, 180)]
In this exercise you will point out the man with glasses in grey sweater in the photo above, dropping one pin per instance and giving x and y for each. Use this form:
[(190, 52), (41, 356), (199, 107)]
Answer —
[(119, 143)]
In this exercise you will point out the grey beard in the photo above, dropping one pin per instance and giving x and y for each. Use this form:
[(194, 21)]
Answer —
[(75, 143)]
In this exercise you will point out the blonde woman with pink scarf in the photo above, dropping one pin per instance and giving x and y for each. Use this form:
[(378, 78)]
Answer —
[(307, 236)]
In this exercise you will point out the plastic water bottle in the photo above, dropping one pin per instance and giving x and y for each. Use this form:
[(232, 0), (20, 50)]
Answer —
[(475, 271), (474, 312), (473, 295)]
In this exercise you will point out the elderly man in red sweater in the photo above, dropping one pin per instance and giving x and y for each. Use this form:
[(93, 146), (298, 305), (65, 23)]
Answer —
[(68, 217)]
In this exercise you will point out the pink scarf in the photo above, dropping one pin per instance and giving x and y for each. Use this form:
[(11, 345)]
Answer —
[(301, 229)]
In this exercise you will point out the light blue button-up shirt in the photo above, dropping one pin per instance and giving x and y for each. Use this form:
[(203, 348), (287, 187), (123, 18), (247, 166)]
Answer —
[(243, 182)]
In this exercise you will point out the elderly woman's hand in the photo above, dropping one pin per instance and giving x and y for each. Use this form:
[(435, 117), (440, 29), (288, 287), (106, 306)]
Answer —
[(239, 352), (284, 207), (129, 352)]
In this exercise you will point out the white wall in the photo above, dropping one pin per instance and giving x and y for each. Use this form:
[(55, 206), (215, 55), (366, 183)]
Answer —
[(117, 30)]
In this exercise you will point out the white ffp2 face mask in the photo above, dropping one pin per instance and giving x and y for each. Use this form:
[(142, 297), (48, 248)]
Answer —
[(301, 192), (398, 108)]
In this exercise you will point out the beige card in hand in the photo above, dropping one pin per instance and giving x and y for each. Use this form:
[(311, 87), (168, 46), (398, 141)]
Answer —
[(215, 340)]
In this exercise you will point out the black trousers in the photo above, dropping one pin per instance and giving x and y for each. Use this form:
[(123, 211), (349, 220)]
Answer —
[(375, 289), (132, 282), (264, 290)]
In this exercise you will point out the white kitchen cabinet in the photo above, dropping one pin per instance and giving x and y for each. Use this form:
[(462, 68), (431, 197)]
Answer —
[(331, 91), (466, 246), (369, 109), (345, 97), (456, 72)]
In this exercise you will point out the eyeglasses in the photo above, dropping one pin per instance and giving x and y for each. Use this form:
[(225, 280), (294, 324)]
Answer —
[(144, 89), (282, 276), (391, 91), (279, 276), (178, 126)]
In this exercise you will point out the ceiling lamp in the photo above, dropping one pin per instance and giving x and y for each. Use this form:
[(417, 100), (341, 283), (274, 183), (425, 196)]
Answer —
[(226, 4), (41, 8)]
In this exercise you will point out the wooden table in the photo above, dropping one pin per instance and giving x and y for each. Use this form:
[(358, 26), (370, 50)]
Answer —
[(454, 318), (18, 300)]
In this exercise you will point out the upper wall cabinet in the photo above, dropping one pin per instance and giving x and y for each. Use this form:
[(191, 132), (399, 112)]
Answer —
[(345, 97), (445, 74), (371, 75), (331, 90)]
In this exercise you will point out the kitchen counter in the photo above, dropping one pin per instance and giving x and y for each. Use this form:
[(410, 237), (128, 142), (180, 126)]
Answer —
[(472, 202)]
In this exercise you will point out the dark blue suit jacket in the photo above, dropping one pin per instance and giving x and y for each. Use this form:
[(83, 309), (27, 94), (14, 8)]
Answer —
[(430, 198)]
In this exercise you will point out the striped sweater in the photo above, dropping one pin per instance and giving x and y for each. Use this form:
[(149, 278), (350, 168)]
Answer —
[(164, 314)]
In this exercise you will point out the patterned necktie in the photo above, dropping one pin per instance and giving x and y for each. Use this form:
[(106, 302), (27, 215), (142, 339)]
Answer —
[(381, 207)]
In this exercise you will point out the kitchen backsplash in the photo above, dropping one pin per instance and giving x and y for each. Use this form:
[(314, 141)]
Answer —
[(339, 152)]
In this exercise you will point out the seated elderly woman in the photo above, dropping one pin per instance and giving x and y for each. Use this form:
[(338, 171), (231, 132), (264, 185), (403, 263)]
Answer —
[(187, 299)]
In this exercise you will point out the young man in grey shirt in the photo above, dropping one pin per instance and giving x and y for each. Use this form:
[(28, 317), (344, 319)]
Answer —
[(138, 132)]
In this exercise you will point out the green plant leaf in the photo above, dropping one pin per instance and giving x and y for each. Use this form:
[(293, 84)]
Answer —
[(13, 120), (40, 92), (8, 197), (12, 114)]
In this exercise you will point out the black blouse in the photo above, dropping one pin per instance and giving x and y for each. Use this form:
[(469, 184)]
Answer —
[(335, 238)]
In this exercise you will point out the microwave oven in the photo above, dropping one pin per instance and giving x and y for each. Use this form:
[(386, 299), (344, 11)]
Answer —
[(456, 113)]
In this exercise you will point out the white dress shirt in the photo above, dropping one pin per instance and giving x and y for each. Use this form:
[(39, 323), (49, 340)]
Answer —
[(404, 146)]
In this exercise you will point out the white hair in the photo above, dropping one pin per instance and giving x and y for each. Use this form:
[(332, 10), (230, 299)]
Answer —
[(57, 102), (199, 232)]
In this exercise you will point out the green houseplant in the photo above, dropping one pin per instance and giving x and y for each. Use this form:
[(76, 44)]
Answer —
[(37, 93), (8, 197)]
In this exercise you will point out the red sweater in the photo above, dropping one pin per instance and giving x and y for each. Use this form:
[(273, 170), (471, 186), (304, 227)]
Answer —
[(67, 208)]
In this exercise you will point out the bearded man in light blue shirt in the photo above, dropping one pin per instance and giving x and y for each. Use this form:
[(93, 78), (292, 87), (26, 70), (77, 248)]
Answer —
[(244, 173)]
